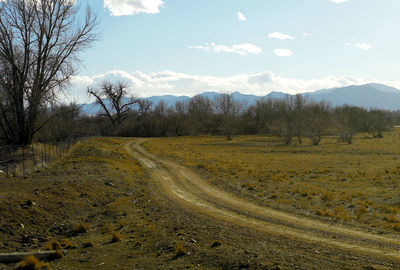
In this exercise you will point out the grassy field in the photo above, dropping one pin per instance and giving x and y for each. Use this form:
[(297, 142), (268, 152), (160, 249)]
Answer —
[(356, 184), (99, 202)]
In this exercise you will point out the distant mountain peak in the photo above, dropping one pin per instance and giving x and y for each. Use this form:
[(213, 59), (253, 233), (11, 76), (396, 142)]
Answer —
[(370, 95)]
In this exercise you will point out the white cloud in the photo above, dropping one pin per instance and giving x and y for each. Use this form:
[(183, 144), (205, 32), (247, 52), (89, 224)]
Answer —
[(362, 46), (131, 7), (281, 36), (241, 49), (283, 52), (339, 1), (174, 83), (306, 35), (241, 17)]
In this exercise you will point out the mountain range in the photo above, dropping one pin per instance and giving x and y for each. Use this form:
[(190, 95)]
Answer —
[(371, 95)]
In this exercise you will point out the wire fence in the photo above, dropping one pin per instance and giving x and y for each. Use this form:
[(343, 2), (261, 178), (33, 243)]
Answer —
[(16, 160)]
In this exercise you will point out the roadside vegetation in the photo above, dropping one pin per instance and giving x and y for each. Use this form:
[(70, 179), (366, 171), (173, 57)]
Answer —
[(356, 184)]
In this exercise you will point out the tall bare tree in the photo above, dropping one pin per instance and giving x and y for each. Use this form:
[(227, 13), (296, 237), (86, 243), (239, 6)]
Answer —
[(40, 42), (228, 109), (115, 101)]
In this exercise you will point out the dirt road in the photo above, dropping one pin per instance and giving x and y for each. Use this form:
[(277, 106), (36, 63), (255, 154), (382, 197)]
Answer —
[(188, 189)]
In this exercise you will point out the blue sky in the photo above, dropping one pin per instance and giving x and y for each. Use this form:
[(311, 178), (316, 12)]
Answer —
[(191, 46)]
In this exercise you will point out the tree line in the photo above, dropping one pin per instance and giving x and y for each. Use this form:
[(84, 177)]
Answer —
[(292, 118)]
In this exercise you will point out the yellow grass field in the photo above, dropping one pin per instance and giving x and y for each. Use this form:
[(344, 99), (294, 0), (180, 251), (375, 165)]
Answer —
[(357, 184)]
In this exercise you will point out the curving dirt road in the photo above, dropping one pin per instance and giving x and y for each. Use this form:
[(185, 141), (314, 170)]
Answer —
[(187, 188)]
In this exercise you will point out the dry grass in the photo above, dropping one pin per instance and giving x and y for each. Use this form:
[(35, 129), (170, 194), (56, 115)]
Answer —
[(52, 245), (116, 237), (57, 245), (81, 228), (122, 224), (73, 190), (355, 183), (32, 263), (180, 249)]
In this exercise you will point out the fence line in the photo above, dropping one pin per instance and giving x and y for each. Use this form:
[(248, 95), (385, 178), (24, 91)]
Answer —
[(19, 160)]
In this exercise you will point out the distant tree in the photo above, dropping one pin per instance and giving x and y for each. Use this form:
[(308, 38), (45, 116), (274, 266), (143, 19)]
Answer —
[(161, 119), (179, 118), (40, 42), (376, 122), (200, 114), (289, 121), (247, 123), (228, 110), (64, 124), (317, 120), (297, 105), (348, 120), (144, 126), (264, 114), (115, 102)]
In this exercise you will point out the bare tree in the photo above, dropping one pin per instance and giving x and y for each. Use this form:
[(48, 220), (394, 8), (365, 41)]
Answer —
[(40, 42), (179, 117), (347, 120), (200, 113), (264, 109), (376, 122), (228, 109), (115, 101), (317, 120), (289, 120)]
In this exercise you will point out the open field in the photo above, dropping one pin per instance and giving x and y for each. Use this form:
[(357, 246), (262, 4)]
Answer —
[(100, 186), (122, 207), (354, 184)]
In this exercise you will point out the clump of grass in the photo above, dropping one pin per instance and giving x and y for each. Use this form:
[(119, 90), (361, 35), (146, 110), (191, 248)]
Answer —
[(52, 245), (32, 263), (116, 237), (180, 250), (65, 243), (57, 245), (81, 228), (342, 213), (122, 224), (324, 213)]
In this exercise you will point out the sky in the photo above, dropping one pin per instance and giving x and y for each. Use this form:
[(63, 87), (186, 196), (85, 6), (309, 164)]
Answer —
[(186, 47)]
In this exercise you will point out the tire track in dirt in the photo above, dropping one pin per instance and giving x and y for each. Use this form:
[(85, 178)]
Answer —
[(188, 189)]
